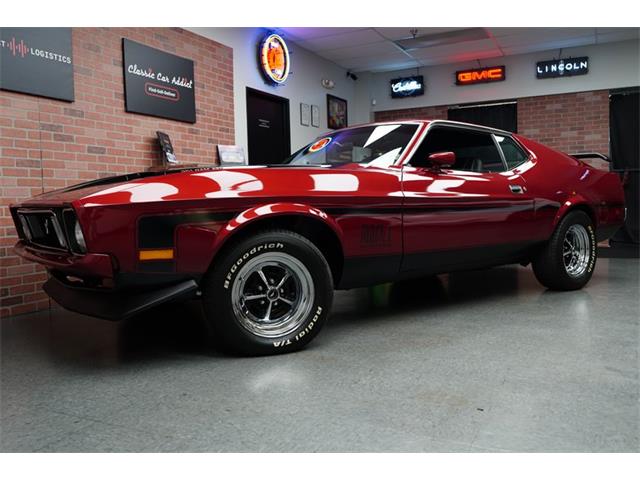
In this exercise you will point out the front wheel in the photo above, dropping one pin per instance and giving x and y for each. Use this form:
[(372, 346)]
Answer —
[(568, 259), (269, 294)]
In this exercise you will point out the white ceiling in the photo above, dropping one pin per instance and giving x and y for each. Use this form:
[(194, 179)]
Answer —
[(376, 50)]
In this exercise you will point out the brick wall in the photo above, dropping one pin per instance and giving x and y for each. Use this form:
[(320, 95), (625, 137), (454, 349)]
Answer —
[(568, 122), (47, 144), (431, 113)]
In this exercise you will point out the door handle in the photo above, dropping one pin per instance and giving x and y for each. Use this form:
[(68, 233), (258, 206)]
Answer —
[(517, 189)]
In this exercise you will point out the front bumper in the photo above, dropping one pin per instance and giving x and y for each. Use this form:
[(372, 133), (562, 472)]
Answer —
[(89, 264), (93, 271), (114, 304)]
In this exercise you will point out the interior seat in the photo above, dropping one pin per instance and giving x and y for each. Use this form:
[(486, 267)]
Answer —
[(476, 165), (471, 164)]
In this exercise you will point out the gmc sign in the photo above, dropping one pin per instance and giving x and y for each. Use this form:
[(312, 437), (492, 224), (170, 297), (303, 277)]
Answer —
[(480, 75)]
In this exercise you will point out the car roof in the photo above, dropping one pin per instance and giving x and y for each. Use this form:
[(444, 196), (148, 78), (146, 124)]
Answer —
[(449, 123)]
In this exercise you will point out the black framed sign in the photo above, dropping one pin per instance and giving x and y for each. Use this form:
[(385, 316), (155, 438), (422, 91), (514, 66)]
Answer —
[(473, 76), (407, 87), (37, 61), (565, 67), (158, 83), (336, 112)]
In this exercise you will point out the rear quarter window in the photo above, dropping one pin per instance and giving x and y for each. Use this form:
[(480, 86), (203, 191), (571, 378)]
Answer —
[(514, 155)]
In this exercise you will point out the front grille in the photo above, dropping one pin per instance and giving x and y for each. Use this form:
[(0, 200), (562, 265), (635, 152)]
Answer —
[(42, 228)]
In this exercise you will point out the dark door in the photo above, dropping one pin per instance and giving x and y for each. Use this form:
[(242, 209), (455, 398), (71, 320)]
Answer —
[(502, 115), (267, 128), (624, 124)]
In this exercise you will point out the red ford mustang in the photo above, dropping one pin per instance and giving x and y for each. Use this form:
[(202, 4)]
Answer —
[(265, 246)]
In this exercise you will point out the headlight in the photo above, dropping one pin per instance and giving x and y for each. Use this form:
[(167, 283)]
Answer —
[(77, 234), (73, 231)]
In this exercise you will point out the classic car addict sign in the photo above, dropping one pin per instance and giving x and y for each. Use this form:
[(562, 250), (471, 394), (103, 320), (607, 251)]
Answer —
[(37, 61), (407, 87), (158, 83), (566, 67), (480, 75)]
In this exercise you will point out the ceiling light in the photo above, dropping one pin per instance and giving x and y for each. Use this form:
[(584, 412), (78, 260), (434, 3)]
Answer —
[(443, 38)]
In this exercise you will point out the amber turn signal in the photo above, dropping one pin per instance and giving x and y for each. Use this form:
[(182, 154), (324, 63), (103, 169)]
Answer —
[(156, 254)]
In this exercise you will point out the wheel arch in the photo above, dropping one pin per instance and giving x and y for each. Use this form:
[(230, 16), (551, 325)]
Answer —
[(577, 203), (310, 222)]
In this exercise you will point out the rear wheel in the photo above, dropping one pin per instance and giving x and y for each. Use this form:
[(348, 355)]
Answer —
[(568, 259), (269, 294)]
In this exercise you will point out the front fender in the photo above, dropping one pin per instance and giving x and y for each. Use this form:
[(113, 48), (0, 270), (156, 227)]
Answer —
[(272, 210)]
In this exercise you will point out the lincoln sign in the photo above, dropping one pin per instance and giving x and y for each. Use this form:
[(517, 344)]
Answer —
[(566, 67)]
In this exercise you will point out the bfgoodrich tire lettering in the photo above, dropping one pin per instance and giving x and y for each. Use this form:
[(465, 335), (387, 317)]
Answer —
[(569, 258), (269, 294)]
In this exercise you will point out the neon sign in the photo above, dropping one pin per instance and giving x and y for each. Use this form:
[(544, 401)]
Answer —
[(407, 87), (566, 67), (480, 75), (320, 144), (274, 59)]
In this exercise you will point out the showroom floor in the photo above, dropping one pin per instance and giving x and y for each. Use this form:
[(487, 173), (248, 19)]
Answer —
[(479, 361)]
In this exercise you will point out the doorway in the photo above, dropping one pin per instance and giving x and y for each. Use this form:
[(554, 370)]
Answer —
[(503, 115), (624, 124), (268, 129)]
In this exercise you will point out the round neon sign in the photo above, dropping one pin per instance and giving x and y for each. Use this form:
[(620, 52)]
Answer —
[(320, 144), (274, 58)]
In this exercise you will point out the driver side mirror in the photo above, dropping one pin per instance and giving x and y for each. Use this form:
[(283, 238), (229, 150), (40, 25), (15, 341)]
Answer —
[(441, 160)]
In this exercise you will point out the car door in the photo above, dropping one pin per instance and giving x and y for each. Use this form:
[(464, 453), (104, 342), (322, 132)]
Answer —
[(472, 214)]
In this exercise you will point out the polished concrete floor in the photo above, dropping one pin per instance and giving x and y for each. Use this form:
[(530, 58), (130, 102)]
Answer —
[(478, 361)]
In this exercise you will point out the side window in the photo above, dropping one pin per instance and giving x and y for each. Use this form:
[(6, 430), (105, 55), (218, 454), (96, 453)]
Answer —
[(475, 151), (513, 154)]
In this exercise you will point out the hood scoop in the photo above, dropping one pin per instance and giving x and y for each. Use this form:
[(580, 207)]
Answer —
[(128, 177)]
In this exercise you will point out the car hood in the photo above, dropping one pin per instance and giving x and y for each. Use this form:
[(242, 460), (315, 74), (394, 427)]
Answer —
[(218, 182)]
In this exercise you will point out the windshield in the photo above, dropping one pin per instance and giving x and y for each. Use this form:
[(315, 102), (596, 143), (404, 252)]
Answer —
[(379, 146)]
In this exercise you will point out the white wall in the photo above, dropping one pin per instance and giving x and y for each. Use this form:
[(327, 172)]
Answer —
[(611, 65), (303, 85)]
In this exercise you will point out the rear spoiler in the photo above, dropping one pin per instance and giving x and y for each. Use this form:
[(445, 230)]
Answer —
[(582, 155)]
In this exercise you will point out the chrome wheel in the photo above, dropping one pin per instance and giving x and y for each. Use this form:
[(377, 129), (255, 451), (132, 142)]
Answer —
[(576, 250), (272, 294)]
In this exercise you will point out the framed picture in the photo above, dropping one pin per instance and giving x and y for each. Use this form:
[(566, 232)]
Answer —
[(336, 112), (315, 116), (231, 155), (305, 114)]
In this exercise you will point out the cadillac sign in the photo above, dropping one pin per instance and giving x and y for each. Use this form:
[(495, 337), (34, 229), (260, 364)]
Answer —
[(566, 67), (407, 87)]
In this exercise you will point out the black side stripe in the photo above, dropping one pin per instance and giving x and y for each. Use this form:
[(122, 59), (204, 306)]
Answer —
[(409, 210), (361, 211), (157, 231)]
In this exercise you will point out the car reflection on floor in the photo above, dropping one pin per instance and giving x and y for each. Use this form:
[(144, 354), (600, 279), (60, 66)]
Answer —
[(474, 361), (177, 327)]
